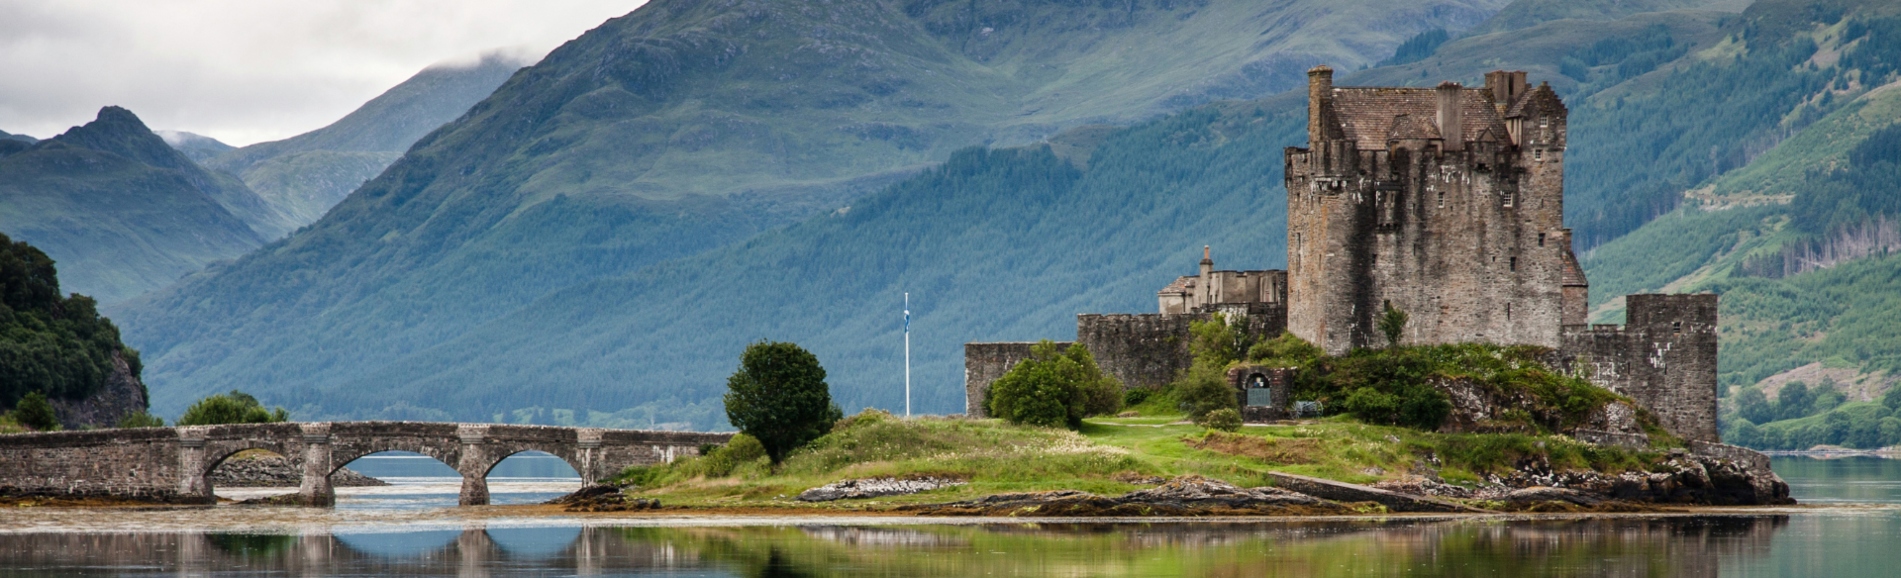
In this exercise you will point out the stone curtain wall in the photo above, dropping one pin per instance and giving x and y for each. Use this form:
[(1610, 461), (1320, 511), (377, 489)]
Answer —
[(135, 463), (985, 363), (1664, 359), (1141, 350), (171, 464)]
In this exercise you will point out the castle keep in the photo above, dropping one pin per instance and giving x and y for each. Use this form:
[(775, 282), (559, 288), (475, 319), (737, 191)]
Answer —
[(1446, 203)]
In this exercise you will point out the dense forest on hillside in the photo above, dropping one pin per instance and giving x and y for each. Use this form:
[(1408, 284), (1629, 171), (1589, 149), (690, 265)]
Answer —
[(57, 346)]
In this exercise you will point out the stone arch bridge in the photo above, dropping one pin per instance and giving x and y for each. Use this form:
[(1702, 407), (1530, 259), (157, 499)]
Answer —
[(170, 464)]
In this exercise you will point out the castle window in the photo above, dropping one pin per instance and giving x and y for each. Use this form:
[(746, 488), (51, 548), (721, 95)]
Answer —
[(1514, 267), (1508, 312), (1676, 326), (1510, 196), (1541, 239), (1538, 155), (1442, 199)]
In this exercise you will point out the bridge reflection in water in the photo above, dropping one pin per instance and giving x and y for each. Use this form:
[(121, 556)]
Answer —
[(1677, 546)]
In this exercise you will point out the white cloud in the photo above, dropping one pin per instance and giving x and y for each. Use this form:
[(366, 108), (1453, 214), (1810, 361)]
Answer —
[(246, 71)]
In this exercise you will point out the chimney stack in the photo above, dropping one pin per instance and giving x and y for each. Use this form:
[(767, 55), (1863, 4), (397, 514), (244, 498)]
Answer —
[(1206, 289), (1451, 116), (1319, 94)]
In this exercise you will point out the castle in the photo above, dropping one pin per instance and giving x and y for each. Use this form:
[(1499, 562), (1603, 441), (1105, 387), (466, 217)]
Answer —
[(1446, 203)]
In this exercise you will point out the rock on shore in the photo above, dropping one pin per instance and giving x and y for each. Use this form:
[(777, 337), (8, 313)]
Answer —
[(874, 487), (275, 472), (1189, 495)]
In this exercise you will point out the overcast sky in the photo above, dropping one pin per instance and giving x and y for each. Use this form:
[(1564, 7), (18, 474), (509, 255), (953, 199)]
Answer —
[(246, 71)]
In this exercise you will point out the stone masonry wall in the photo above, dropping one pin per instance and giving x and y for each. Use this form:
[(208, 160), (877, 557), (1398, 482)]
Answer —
[(1141, 350), (984, 363), (171, 464), (1664, 358)]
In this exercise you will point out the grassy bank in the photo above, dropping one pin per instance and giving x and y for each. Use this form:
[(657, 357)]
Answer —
[(1104, 457)]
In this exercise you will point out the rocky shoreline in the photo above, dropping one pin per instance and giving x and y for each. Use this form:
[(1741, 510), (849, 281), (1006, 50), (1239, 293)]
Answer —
[(1711, 475)]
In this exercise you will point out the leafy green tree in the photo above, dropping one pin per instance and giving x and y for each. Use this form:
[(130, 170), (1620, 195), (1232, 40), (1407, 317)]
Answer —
[(1054, 388), (1285, 351), (1392, 323), (227, 408), (1752, 405), (779, 396), (1219, 340), (1892, 399), (1794, 401), (33, 411)]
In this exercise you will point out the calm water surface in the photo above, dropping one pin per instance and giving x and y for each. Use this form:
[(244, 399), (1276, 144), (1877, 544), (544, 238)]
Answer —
[(1854, 530)]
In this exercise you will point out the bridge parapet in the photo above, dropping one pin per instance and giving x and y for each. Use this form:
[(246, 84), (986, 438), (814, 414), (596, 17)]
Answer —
[(171, 464)]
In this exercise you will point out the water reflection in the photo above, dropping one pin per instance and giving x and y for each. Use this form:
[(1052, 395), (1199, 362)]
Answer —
[(1857, 479), (1686, 546)]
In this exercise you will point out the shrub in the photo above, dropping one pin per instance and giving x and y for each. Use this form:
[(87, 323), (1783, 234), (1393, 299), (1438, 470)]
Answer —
[(1203, 389), (1224, 419), (723, 460), (234, 407), (141, 419), (1135, 396), (33, 411), (1285, 351), (1219, 341), (780, 397), (1392, 323), (1054, 388)]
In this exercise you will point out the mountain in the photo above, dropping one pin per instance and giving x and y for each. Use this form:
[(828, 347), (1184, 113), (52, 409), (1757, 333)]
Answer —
[(119, 209), (4, 135), (197, 147), (687, 126), (305, 175), (1523, 14)]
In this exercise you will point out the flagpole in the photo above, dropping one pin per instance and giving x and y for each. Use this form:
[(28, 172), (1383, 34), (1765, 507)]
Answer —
[(907, 355)]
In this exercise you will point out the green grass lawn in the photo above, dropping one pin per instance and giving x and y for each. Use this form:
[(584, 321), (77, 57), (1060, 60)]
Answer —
[(1104, 457)]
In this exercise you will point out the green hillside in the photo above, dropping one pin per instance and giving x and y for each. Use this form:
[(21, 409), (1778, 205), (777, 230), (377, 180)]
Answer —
[(119, 209), (686, 126), (994, 244), (305, 175)]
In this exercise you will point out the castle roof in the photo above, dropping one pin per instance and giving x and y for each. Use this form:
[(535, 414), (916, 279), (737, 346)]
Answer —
[(1573, 275), (1181, 286)]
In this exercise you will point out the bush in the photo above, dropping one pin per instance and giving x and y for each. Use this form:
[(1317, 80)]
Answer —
[(1285, 351), (33, 411), (780, 397), (1392, 323), (1054, 388), (1135, 396), (234, 407), (141, 419), (723, 460), (1205, 389), (1223, 419)]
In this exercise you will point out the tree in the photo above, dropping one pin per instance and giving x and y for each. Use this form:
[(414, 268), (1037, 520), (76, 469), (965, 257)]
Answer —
[(779, 396), (33, 411), (1793, 401), (1204, 389), (234, 407), (1392, 323), (1752, 405), (1054, 388)]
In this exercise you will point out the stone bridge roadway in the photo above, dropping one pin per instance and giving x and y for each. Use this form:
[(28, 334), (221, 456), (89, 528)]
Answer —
[(171, 463)]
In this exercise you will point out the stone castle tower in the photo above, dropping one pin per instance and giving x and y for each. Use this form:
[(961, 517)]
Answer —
[(1447, 203)]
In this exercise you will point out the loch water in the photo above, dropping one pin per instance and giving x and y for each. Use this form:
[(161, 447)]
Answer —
[(1850, 526)]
